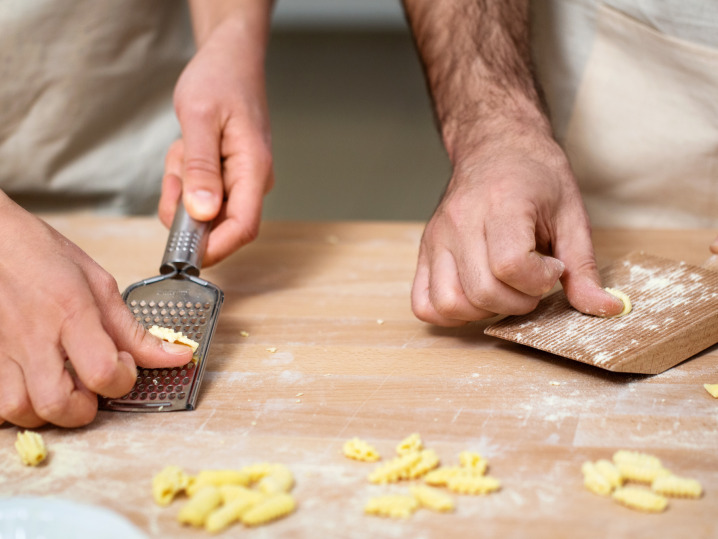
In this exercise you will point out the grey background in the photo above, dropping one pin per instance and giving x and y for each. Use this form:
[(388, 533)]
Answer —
[(353, 131)]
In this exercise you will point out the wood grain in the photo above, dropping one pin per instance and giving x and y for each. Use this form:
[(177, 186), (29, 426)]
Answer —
[(674, 316), (317, 302)]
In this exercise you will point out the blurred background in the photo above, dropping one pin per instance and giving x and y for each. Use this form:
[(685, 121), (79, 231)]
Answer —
[(353, 131)]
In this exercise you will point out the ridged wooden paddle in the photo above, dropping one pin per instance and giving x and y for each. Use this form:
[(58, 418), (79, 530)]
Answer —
[(675, 316)]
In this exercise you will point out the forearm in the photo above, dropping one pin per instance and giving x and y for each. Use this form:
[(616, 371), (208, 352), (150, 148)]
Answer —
[(478, 66), (251, 17)]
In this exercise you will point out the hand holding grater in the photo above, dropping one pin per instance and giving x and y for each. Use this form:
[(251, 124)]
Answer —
[(180, 300)]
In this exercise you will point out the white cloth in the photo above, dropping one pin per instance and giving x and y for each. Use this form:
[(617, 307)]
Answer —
[(86, 96), (632, 86)]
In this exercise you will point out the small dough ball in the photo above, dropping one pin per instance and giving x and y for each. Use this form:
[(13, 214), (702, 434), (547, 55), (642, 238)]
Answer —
[(624, 298)]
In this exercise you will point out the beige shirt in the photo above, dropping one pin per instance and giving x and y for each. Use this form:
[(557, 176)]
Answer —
[(86, 97), (632, 86)]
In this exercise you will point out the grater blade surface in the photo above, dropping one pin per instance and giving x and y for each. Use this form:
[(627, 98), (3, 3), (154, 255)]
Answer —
[(179, 300)]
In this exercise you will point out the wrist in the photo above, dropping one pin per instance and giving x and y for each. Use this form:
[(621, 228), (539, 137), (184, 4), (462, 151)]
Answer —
[(248, 19)]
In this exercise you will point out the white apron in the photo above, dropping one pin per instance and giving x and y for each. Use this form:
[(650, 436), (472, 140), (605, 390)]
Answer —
[(86, 98), (633, 91)]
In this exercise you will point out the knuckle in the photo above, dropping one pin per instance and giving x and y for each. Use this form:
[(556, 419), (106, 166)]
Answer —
[(52, 406), (102, 376), (447, 304), (200, 165), (13, 407), (508, 268)]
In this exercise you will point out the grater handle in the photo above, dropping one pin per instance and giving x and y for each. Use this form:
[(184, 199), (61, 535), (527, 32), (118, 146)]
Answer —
[(186, 244)]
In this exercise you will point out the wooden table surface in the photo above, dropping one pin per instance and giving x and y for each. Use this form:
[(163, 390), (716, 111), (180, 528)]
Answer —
[(315, 292)]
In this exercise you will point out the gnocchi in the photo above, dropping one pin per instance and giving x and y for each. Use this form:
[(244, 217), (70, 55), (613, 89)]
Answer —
[(31, 448)]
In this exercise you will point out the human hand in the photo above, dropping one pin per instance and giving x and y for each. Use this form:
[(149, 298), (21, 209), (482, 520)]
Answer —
[(509, 200), (59, 305), (225, 150)]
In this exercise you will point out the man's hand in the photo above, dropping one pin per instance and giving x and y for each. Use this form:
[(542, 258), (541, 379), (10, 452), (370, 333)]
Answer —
[(225, 150), (58, 305), (512, 198)]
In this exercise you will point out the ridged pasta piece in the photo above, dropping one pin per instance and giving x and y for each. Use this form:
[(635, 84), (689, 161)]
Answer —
[(608, 470), (467, 459), (360, 450), (242, 500), (428, 461), (439, 477), (170, 335), (198, 508), (257, 471), (167, 484), (216, 478), (712, 389), (270, 509), (31, 448), (395, 469), (640, 499), (473, 485), (634, 457), (595, 481), (230, 493), (395, 506), (410, 444), (677, 487), (432, 498), (280, 479), (624, 299)]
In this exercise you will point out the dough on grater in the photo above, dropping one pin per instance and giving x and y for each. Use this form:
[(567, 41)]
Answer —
[(170, 335)]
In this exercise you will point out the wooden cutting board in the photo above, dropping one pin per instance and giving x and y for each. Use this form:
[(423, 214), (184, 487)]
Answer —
[(675, 316)]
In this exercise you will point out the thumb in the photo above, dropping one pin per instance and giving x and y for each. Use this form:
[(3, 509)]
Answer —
[(146, 349), (203, 188), (581, 281)]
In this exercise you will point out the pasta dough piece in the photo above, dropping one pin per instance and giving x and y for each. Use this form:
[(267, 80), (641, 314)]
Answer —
[(432, 498), (595, 481), (198, 508), (712, 389), (255, 472), (270, 509), (241, 502), (428, 461), (230, 493), (170, 335), (31, 448), (395, 506), (465, 484), (624, 298), (474, 461), (280, 479), (168, 483), (607, 469), (677, 487), (395, 469), (410, 444), (216, 478), (360, 450), (639, 467), (439, 478), (640, 499)]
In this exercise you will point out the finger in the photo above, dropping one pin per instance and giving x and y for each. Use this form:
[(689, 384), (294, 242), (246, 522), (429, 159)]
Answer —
[(420, 297), (94, 356), (714, 246), (482, 289), (146, 350), (15, 405), (202, 186), (171, 183), (446, 292), (55, 396), (511, 248), (581, 281), (249, 177)]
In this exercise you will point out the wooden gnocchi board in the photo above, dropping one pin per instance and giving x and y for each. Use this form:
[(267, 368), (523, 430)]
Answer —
[(674, 316)]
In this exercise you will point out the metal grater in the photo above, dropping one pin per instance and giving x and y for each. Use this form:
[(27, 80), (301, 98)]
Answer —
[(180, 300)]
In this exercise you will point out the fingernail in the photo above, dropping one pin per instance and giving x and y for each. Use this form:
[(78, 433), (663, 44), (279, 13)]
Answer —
[(204, 201), (555, 264), (175, 349)]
